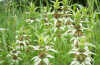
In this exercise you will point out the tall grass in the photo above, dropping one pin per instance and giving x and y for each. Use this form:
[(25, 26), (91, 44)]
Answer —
[(94, 11)]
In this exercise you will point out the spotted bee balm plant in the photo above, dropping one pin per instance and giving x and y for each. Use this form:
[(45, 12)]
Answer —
[(82, 53), (42, 35), (43, 49)]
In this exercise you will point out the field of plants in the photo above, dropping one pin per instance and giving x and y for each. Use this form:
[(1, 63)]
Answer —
[(58, 33)]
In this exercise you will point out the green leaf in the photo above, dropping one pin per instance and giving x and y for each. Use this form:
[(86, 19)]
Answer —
[(20, 25), (4, 53), (56, 4), (82, 41), (4, 40)]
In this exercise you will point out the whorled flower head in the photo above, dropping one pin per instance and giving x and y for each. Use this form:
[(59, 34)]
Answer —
[(56, 14), (42, 57), (30, 21), (21, 44), (82, 56), (78, 51), (14, 56), (87, 61), (46, 48), (23, 41)]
